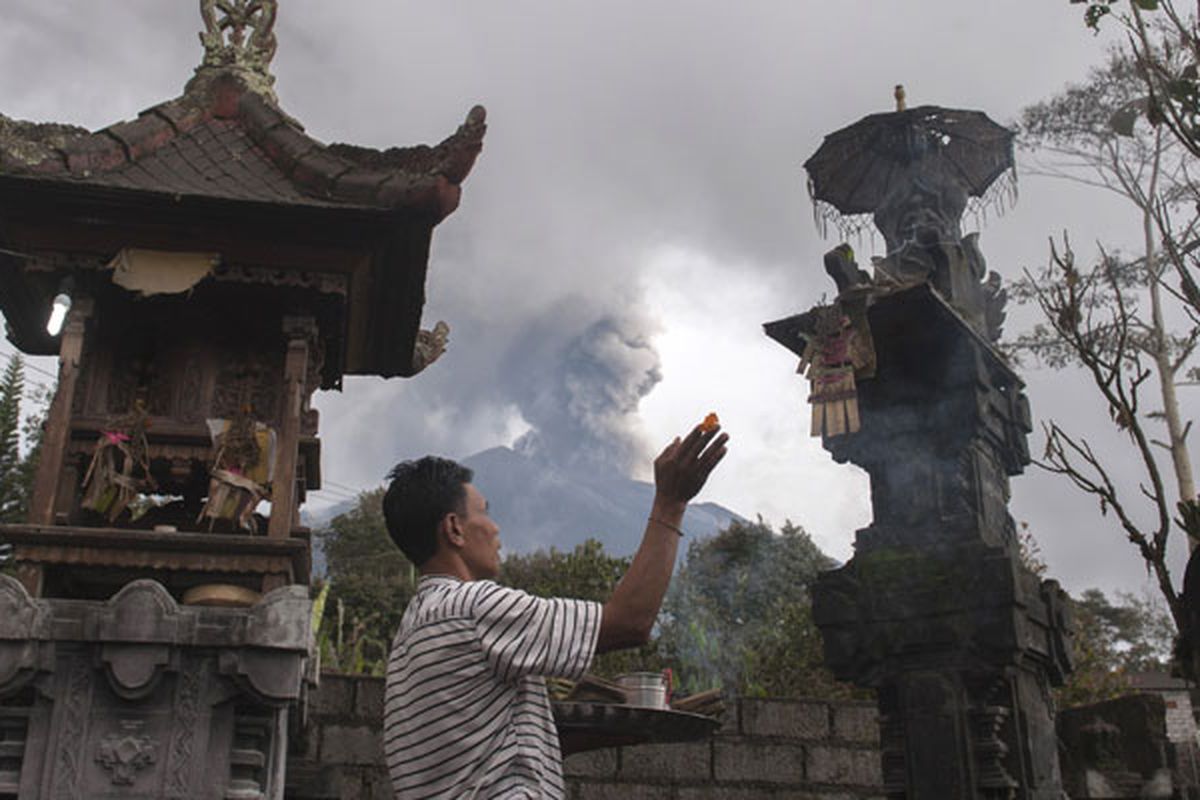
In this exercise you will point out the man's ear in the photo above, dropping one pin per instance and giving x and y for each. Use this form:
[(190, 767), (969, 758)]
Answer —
[(451, 530)]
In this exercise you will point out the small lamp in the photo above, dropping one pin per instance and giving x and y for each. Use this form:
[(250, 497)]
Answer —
[(60, 307)]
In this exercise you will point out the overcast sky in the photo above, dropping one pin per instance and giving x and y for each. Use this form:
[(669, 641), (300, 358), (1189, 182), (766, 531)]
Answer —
[(638, 211)]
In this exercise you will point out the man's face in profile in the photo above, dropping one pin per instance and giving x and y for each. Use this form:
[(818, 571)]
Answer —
[(481, 549)]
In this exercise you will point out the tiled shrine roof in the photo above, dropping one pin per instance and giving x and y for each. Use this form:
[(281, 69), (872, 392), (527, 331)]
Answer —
[(225, 141)]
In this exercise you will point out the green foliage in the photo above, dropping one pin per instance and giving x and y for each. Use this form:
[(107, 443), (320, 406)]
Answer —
[(1097, 10), (12, 385), (17, 468), (369, 585), (1112, 640), (1165, 45), (738, 614), (585, 573)]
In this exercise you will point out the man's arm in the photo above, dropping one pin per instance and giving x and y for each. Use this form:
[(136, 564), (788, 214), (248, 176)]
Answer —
[(679, 473)]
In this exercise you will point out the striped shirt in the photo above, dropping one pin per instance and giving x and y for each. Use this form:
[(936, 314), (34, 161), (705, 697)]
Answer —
[(466, 713)]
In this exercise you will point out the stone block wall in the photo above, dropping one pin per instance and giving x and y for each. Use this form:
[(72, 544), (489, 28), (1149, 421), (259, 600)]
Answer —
[(1121, 748), (767, 749), (337, 754)]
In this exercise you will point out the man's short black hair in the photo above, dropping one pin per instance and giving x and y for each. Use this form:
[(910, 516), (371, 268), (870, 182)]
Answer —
[(420, 494)]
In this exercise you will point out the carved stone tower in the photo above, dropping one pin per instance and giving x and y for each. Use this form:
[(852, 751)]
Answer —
[(210, 266), (935, 610)]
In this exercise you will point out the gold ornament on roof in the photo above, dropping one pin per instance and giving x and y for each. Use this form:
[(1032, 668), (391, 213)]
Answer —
[(239, 35)]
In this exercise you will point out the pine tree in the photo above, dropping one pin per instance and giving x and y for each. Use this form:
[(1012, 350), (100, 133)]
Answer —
[(12, 489), (33, 429)]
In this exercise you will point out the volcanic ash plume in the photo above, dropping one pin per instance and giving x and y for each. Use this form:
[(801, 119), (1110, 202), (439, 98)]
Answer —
[(581, 399)]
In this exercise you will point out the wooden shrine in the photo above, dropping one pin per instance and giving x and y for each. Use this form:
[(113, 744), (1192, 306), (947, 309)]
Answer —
[(219, 265)]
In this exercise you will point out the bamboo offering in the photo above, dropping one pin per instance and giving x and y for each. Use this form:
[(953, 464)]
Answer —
[(710, 703)]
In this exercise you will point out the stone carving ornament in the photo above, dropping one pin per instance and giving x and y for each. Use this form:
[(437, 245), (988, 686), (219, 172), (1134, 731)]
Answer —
[(74, 701), (187, 713), (125, 754), (430, 345), (240, 34)]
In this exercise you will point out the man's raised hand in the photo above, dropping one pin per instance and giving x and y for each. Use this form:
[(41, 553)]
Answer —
[(685, 464)]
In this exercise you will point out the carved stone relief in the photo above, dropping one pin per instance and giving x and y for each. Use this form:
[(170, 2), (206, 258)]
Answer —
[(188, 695), (72, 712), (125, 753)]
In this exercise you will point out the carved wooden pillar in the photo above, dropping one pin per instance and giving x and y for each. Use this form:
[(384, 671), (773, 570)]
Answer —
[(58, 420), (299, 331)]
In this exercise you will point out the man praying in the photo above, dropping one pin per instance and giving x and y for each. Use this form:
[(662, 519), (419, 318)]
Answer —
[(466, 714)]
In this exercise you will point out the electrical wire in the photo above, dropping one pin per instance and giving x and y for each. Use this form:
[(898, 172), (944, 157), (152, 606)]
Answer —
[(351, 489), (26, 364)]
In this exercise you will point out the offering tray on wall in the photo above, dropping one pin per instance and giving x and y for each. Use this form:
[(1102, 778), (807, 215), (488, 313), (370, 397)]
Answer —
[(591, 726)]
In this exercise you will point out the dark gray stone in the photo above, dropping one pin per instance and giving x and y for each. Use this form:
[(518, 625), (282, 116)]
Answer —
[(935, 611), (368, 699), (843, 766), (1120, 749), (856, 723), (740, 793), (351, 744), (758, 762), (624, 791), (592, 764), (670, 762), (785, 718), (138, 696), (334, 697)]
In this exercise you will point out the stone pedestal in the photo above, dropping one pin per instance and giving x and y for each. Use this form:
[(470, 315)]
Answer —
[(139, 697), (935, 610)]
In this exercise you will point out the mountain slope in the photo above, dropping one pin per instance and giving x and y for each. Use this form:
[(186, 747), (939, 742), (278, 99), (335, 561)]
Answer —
[(538, 506)]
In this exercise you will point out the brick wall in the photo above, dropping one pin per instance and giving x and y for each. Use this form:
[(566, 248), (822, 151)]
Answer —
[(769, 748)]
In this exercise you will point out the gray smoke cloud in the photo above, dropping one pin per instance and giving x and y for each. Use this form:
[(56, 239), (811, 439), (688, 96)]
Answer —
[(581, 398), (566, 383)]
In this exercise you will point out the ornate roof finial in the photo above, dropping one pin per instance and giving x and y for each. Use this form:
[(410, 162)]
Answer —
[(239, 37), (899, 95)]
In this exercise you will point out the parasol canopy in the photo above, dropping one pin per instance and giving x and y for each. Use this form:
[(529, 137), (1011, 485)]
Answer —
[(855, 169)]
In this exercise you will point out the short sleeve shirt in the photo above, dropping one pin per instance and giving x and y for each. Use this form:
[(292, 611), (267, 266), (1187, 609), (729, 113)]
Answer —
[(466, 713)]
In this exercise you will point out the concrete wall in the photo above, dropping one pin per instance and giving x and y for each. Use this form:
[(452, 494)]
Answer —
[(803, 749)]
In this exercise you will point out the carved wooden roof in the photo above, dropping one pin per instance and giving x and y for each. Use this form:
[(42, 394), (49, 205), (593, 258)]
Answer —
[(223, 140)]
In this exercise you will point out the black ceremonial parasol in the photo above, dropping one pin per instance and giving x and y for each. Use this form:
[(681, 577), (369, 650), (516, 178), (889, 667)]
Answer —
[(855, 169)]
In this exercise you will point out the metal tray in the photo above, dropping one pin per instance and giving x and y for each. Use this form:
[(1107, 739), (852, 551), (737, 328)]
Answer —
[(589, 726)]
